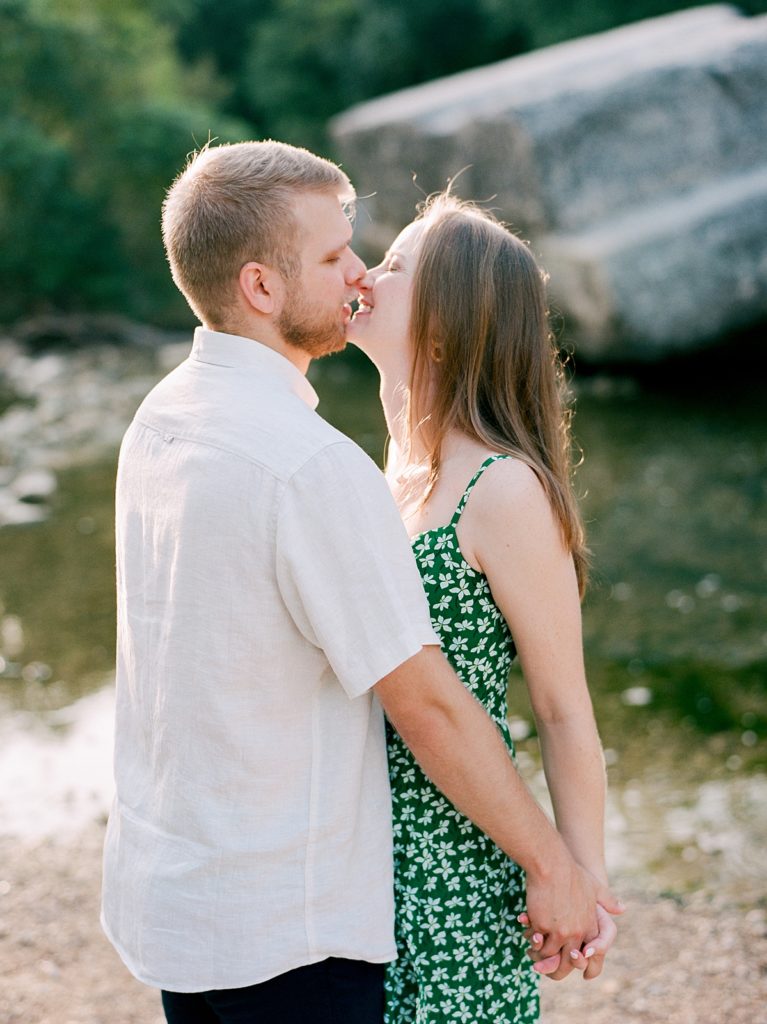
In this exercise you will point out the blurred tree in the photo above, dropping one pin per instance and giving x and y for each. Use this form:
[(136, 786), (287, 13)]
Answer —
[(553, 21), (219, 32), (308, 61), (97, 115), (57, 246)]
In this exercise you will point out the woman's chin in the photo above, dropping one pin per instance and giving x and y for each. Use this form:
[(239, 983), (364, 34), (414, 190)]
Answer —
[(355, 336), (382, 354)]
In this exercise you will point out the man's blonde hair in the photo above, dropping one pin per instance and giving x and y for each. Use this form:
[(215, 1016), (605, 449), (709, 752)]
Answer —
[(232, 204)]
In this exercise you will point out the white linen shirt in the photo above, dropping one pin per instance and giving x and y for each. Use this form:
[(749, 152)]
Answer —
[(265, 582)]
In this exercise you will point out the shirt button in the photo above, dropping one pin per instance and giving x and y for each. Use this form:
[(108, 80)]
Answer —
[(167, 437)]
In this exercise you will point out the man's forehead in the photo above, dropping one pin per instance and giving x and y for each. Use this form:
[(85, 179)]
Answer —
[(322, 215)]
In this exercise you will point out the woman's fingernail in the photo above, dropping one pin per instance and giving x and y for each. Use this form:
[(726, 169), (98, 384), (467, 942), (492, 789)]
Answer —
[(537, 968), (523, 919), (589, 952), (574, 954), (537, 938)]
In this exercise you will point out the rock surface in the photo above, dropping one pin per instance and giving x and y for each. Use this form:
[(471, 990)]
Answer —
[(635, 160)]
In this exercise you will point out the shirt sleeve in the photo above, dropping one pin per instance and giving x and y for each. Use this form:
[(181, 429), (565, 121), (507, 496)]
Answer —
[(345, 568)]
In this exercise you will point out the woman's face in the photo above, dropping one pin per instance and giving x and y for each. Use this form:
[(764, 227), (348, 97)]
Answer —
[(381, 325)]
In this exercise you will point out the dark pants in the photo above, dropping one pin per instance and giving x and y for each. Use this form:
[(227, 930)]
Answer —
[(333, 991)]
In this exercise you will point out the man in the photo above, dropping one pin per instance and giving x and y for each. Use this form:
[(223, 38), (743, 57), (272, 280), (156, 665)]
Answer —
[(266, 591)]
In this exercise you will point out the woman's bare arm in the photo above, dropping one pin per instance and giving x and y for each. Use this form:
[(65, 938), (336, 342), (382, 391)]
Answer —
[(510, 529)]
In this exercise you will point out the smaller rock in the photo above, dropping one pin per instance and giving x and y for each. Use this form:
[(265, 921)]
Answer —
[(34, 485), (19, 513)]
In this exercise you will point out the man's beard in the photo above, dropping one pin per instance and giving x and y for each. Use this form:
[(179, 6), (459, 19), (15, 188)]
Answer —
[(310, 333)]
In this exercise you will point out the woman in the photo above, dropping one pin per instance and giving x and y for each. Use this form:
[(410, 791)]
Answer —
[(479, 462)]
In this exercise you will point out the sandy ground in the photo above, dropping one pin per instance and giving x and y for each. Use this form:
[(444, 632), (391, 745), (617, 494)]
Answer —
[(677, 961)]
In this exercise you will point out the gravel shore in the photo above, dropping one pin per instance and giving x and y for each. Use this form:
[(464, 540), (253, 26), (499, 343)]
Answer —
[(677, 961)]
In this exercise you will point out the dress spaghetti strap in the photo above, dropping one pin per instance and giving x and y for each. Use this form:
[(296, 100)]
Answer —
[(465, 497)]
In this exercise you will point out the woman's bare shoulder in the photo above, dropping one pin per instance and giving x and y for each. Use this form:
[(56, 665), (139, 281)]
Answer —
[(512, 526), (509, 501), (509, 484)]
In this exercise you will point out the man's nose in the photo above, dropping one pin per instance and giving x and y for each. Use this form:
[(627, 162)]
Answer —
[(356, 270)]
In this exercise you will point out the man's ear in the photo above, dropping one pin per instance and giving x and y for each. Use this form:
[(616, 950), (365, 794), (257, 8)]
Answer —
[(261, 287)]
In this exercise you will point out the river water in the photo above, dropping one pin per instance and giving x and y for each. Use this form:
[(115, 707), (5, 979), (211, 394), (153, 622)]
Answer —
[(674, 489)]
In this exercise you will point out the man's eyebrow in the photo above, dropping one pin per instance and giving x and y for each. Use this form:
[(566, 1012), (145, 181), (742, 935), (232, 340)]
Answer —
[(337, 249)]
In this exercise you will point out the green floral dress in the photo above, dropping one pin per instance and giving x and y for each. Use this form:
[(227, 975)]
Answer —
[(461, 951)]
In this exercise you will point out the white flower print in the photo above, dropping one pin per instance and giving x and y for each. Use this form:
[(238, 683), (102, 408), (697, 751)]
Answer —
[(461, 951)]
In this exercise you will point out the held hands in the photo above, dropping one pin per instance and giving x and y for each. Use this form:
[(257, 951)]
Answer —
[(578, 939), (590, 959)]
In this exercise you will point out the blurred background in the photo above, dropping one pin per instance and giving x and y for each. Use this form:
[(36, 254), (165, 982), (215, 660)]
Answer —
[(100, 103)]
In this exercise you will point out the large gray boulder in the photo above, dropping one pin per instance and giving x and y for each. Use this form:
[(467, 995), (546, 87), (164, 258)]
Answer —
[(635, 160)]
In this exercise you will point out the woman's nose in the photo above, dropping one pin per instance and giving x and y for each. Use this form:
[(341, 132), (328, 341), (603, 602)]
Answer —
[(371, 276), (365, 283)]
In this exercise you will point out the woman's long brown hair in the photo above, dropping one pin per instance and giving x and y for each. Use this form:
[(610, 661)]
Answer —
[(484, 358)]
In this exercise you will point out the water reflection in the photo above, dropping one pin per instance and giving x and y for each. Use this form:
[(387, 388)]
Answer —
[(56, 777), (56, 767)]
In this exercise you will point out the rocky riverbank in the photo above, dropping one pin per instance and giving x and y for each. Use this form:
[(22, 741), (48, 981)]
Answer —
[(64, 408), (697, 960)]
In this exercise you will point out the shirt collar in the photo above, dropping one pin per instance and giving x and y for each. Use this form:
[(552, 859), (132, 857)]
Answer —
[(220, 349)]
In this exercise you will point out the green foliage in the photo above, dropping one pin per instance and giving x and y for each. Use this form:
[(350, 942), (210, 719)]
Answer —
[(56, 244), (306, 62), (97, 115)]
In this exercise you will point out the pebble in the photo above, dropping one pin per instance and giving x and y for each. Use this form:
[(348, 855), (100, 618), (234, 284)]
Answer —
[(49, 968)]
